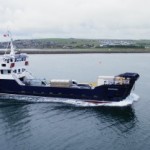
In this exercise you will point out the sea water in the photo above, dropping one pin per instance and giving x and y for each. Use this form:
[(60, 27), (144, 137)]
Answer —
[(28, 122)]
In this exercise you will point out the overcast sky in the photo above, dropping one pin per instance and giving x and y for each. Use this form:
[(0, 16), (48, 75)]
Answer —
[(100, 19)]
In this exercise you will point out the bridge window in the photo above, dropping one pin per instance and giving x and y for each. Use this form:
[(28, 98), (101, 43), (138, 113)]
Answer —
[(5, 71), (3, 65)]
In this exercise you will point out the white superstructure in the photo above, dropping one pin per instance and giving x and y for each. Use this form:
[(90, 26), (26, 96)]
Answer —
[(13, 64)]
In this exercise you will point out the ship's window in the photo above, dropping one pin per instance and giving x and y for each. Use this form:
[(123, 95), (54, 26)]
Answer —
[(11, 60), (3, 65), (6, 71), (7, 60), (15, 71), (18, 70)]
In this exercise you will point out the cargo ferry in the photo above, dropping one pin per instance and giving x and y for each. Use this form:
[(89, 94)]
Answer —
[(16, 79)]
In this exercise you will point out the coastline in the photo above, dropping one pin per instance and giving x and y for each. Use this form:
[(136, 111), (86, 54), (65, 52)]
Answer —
[(80, 51)]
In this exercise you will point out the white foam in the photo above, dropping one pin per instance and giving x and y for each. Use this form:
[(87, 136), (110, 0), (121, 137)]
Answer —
[(36, 99), (128, 101)]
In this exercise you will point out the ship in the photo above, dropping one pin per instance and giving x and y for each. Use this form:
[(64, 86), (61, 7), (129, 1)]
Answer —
[(16, 79)]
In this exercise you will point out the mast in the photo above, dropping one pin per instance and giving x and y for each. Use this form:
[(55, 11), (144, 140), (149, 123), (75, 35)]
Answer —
[(12, 52), (10, 44)]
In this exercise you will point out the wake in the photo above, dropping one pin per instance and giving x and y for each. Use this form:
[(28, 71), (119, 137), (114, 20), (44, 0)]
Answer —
[(77, 102)]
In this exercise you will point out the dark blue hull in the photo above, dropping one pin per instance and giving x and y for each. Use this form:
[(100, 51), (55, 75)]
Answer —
[(109, 93)]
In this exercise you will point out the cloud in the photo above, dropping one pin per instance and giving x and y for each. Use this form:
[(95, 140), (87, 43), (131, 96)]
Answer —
[(76, 18)]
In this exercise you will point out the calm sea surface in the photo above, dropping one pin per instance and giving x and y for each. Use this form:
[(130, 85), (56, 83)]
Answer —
[(31, 125)]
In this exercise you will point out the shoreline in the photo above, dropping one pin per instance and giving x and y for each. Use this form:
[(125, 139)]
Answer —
[(79, 51)]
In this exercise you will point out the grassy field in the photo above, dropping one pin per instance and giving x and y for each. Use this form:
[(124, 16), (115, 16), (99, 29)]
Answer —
[(101, 44)]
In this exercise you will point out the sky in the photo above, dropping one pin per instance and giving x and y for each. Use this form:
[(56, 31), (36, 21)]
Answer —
[(92, 19)]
